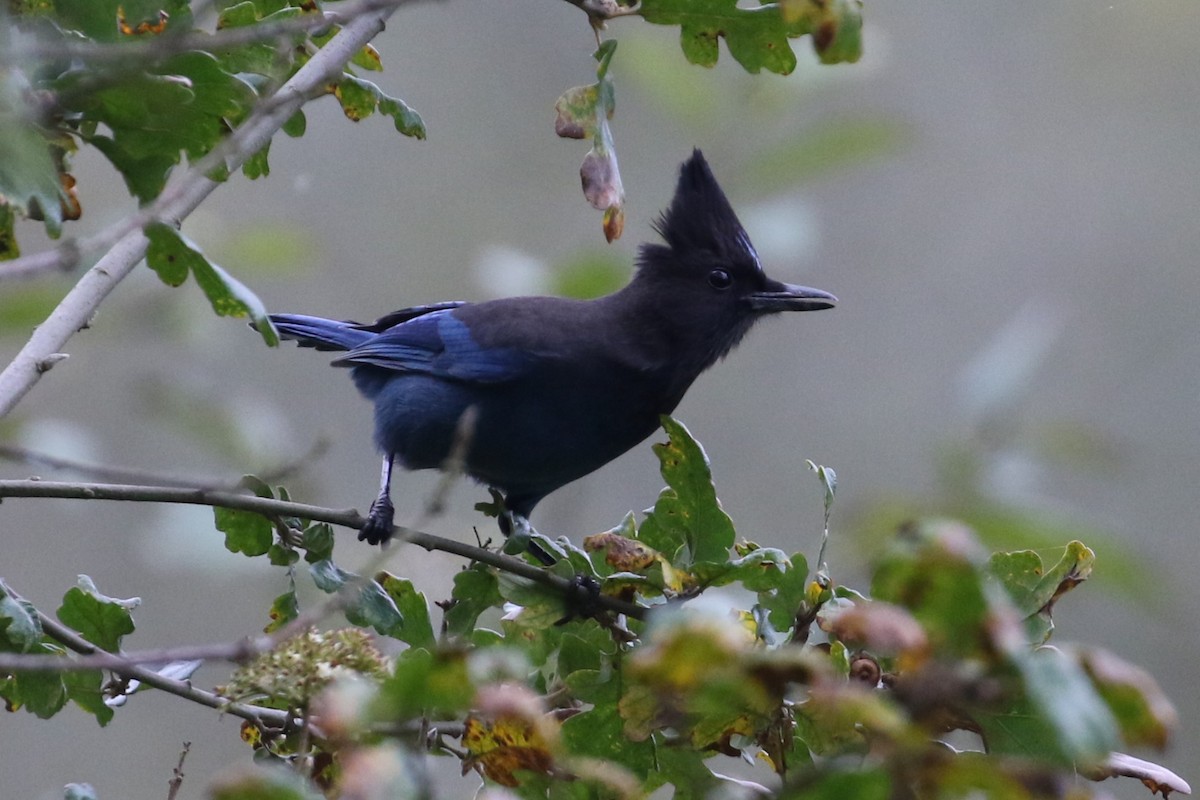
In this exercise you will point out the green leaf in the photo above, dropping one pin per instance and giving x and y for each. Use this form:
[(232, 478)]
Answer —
[(155, 118), (372, 608), (257, 165), (29, 177), (406, 121), (329, 577), (375, 609), (1033, 589), (782, 593), (97, 19), (360, 98), (541, 606), (757, 36), (475, 591), (41, 693), (687, 523), (172, 256), (245, 531), (575, 112), (935, 574), (19, 623), (284, 609), (100, 619), (9, 249), (1064, 719), (145, 172), (416, 629), (296, 125), (281, 556), (438, 685), (600, 733), (368, 58), (238, 15), (167, 255), (317, 542), (267, 58), (1144, 714), (85, 689)]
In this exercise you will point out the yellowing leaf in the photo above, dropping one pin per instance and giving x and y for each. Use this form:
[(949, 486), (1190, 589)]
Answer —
[(502, 747)]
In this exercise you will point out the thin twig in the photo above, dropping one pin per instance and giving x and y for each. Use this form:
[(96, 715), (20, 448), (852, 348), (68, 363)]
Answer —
[(153, 49), (108, 473), (270, 508), (125, 242), (265, 718), (177, 774), (600, 10), (238, 652)]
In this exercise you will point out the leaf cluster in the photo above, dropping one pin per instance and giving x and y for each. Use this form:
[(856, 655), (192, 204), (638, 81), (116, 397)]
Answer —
[(136, 81), (828, 689), (101, 620)]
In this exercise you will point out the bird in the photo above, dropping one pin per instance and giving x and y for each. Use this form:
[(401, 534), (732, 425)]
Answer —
[(554, 388)]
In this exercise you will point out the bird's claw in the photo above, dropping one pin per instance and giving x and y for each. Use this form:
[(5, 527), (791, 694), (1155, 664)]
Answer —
[(378, 527), (582, 598)]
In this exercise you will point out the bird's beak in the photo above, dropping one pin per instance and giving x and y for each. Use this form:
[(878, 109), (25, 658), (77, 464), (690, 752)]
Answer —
[(790, 297)]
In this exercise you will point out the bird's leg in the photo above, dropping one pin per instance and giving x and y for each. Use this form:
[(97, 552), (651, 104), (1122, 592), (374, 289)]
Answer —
[(514, 524), (378, 527)]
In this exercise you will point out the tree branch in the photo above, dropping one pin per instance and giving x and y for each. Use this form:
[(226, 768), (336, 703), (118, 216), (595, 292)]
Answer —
[(262, 717), (126, 241), (273, 509), (177, 773), (159, 48), (111, 474)]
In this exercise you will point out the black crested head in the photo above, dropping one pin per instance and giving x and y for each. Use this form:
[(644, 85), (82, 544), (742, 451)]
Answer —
[(698, 294), (701, 219)]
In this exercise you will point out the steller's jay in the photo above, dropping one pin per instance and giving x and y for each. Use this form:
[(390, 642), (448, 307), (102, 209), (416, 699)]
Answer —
[(558, 387)]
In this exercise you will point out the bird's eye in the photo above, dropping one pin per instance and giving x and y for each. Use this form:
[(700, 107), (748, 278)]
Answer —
[(720, 279)]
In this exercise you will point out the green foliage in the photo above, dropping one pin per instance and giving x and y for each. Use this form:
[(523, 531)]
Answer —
[(831, 690), (246, 532), (172, 256), (584, 113), (687, 523), (146, 106), (371, 606), (104, 621), (757, 37), (99, 619)]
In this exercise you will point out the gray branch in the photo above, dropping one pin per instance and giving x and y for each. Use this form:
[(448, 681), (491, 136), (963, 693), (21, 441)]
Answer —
[(262, 717), (125, 242), (274, 509)]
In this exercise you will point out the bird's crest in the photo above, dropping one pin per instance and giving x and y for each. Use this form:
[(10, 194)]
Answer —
[(701, 218)]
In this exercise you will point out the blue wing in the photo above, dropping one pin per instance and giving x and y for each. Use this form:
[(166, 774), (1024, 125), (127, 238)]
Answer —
[(439, 344)]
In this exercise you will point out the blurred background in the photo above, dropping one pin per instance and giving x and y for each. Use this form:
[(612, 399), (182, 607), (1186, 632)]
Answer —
[(1004, 196)]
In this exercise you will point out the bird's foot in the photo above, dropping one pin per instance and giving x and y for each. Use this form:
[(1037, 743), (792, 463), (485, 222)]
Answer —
[(518, 535), (582, 598), (378, 527)]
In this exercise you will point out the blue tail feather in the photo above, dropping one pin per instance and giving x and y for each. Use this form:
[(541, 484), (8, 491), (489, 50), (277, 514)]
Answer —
[(320, 333)]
